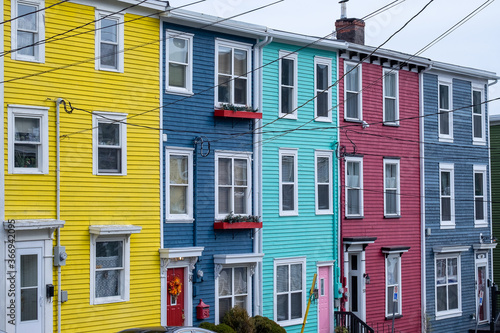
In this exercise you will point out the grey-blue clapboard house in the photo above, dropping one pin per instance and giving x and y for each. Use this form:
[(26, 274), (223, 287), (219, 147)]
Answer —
[(456, 198), (207, 167)]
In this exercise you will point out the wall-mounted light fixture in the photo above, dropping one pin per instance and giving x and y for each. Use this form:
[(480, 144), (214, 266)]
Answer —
[(367, 278), (200, 275)]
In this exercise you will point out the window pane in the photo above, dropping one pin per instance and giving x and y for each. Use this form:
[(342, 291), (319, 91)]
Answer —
[(240, 91), (476, 102), (353, 179), (352, 105), (390, 109), (178, 199), (453, 297), (225, 171), (478, 183), (323, 197), (225, 282), (286, 100), (177, 75), (282, 307), (29, 270), (479, 209), (224, 306), (225, 63), (445, 209), (352, 78), (109, 30), (25, 156), (391, 175), (390, 84), (282, 279), (296, 277), (322, 104), (440, 271), (321, 77), (29, 304), (478, 126), (442, 298), (179, 169), (27, 22), (240, 172), (392, 271), (240, 200), (178, 50), (224, 89), (109, 159), (287, 168), (240, 301), (109, 55), (240, 62), (391, 202), (323, 170), (24, 40), (445, 183), (240, 280), (109, 134), (27, 129), (224, 200), (444, 123), (444, 102), (107, 283), (452, 270), (288, 197), (287, 72), (390, 301), (109, 254), (353, 201), (296, 300)]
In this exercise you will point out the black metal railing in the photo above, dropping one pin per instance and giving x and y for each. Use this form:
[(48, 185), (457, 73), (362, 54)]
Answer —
[(350, 321)]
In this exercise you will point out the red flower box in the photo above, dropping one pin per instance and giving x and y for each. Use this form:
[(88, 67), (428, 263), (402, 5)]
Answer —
[(237, 225), (238, 114)]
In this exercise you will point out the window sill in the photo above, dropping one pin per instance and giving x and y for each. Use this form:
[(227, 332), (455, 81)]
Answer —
[(447, 226), (479, 143), (173, 220), (323, 119), (179, 92), (21, 171), (97, 301), (110, 174), (352, 120), (37, 61), (448, 315), (445, 139), (324, 212), (395, 317), (390, 124), (481, 225), (290, 322), (113, 70), (289, 213), (289, 116), (392, 217), (354, 217)]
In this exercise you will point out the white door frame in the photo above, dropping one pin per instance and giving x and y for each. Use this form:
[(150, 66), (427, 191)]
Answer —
[(481, 259), (330, 265), (357, 250)]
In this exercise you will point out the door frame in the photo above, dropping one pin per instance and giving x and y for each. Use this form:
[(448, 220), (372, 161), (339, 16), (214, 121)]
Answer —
[(329, 265), (486, 300)]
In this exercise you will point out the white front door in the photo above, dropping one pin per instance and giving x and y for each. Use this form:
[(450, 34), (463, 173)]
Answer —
[(482, 292), (356, 299), (30, 291)]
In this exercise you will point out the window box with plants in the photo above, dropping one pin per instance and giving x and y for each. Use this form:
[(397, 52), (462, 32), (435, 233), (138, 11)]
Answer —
[(234, 111), (232, 221)]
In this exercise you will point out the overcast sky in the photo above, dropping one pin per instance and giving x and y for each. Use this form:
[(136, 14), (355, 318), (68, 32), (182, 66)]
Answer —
[(475, 44)]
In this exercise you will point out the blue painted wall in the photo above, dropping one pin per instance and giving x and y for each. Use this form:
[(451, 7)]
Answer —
[(185, 119), (306, 235), (464, 155)]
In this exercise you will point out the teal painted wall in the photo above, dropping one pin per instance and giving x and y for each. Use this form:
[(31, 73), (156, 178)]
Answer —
[(306, 235)]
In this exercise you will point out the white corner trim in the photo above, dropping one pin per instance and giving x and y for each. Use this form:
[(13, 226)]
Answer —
[(181, 252), (450, 249), (114, 229), (35, 224), (245, 258)]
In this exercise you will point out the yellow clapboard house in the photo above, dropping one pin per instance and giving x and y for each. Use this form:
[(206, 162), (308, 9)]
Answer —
[(82, 207)]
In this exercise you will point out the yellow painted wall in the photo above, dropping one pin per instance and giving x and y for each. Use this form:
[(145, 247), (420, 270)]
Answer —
[(87, 199)]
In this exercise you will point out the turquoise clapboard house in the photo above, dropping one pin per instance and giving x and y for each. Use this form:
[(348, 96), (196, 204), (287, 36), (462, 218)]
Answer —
[(298, 142)]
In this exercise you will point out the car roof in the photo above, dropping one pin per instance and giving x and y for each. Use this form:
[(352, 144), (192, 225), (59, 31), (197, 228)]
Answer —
[(166, 329)]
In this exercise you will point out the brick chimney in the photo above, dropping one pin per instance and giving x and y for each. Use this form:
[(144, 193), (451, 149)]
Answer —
[(351, 30)]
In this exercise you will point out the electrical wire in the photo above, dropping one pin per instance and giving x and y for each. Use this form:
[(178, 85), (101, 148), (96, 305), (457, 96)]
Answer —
[(33, 12)]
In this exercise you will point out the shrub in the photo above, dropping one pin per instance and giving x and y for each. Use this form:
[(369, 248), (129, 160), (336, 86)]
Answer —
[(208, 326), (221, 328), (237, 318), (341, 329), (266, 325)]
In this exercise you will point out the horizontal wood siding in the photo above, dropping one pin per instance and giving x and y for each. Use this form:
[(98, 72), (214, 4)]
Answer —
[(87, 199), (184, 120), (495, 194), (374, 143), (306, 235), (464, 155)]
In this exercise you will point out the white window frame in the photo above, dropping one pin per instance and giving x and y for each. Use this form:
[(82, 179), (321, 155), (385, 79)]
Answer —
[(188, 90), (397, 162), (109, 117), (399, 310), (359, 92), (179, 218), (327, 62), (448, 83), (294, 153), (39, 56), (447, 167), (119, 18), (290, 56), (27, 111), (326, 154), (248, 305), (482, 170), (455, 312), (359, 160), (290, 261), (387, 72), (240, 156), (479, 140), (234, 45), (125, 274)]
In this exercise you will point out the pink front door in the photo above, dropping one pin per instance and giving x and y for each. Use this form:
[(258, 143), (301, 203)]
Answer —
[(324, 301)]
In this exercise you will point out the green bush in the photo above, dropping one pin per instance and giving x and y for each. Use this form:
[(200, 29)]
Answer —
[(237, 318), (266, 325), (208, 326), (341, 329), (221, 328)]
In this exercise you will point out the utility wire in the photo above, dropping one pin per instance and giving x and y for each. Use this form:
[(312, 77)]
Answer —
[(33, 12)]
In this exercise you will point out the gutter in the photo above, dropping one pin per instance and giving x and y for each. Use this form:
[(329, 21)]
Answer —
[(257, 171)]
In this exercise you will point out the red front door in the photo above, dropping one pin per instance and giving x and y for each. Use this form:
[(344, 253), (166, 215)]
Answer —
[(175, 303)]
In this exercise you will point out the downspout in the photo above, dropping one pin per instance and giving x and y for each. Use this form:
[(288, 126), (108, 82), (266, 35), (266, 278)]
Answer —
[(58, 208), (423, 283), (257, 171), (3, 285)]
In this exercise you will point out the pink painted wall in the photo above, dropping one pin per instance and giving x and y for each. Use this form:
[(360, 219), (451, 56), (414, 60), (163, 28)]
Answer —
[(374, 143)]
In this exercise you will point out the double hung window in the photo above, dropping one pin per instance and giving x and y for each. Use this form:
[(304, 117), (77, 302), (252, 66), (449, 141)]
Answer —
[(289, 293), (323, 103), (109, 42), (110, 143), (445, 113), (352, 98), (478, 117), (448, 288), (28, 31), (288, 191), (288, 84), (447, 195), (180, 62), (179, 185), (324, 182), (233, 184), (391, 188), (233, 289), (354, 186), (480, 201), (28, 139), (393, 282), (391, 97), (233, 73)]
